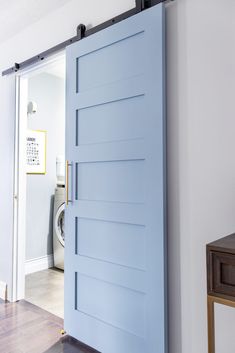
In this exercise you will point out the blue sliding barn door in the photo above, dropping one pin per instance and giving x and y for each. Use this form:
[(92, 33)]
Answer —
[(115, 296)]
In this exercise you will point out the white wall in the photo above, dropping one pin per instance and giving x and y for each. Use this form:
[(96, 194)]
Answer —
[(48, 91), (201, 162), (201, 167)]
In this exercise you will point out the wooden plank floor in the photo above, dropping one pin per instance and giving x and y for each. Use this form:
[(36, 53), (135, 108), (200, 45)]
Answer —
[(25, 328)]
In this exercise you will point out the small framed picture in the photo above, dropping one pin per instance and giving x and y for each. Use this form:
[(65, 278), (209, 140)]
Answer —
[(36, 152)]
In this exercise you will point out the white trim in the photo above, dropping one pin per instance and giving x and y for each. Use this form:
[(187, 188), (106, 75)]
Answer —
[(18, 285), (39, 264), (15, 198), (3, 290)]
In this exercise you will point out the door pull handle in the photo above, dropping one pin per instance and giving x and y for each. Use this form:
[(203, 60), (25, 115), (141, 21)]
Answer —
[(67, 200)]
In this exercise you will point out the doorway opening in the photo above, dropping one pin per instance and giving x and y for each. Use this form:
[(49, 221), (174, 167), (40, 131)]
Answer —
[(40, 186)]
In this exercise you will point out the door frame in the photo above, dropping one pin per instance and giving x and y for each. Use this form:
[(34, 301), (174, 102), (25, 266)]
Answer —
[(19, 183)]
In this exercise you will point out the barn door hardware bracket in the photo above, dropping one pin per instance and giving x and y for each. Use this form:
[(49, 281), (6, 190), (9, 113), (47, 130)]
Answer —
[(16, 67), (146, 4), (81, 31), (142, 5)]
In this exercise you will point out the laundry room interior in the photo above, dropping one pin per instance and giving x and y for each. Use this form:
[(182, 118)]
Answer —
[(45, 188)]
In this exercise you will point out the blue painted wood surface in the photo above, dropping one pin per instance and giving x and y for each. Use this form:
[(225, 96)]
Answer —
[(115, 292)]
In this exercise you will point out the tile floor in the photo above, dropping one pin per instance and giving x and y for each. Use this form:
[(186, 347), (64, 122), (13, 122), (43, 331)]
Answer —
[(46, 290)]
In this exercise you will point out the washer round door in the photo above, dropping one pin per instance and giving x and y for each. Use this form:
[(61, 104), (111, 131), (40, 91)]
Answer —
[(59, 224)]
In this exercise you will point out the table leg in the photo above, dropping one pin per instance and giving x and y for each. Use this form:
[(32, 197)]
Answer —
[(211, 324)]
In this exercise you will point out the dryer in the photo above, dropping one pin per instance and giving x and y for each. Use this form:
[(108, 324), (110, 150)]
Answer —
[(58, 227)]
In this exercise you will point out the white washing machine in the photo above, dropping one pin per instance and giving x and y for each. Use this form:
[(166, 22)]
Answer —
[(58, 231)]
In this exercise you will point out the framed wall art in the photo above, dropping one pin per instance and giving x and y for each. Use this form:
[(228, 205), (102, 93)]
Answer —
[(36, 152)]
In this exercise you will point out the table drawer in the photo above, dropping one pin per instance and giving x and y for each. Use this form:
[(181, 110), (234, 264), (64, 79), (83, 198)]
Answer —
[(221, 273)]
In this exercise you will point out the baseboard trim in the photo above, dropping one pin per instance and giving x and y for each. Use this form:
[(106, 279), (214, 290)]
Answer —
[(3, 291), (39, 264)]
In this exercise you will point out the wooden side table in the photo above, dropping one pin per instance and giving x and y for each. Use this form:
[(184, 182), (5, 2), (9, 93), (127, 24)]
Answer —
[(220, 280)]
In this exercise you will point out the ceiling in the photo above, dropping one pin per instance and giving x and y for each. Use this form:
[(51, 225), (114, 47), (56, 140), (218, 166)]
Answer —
[(15, 15)]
